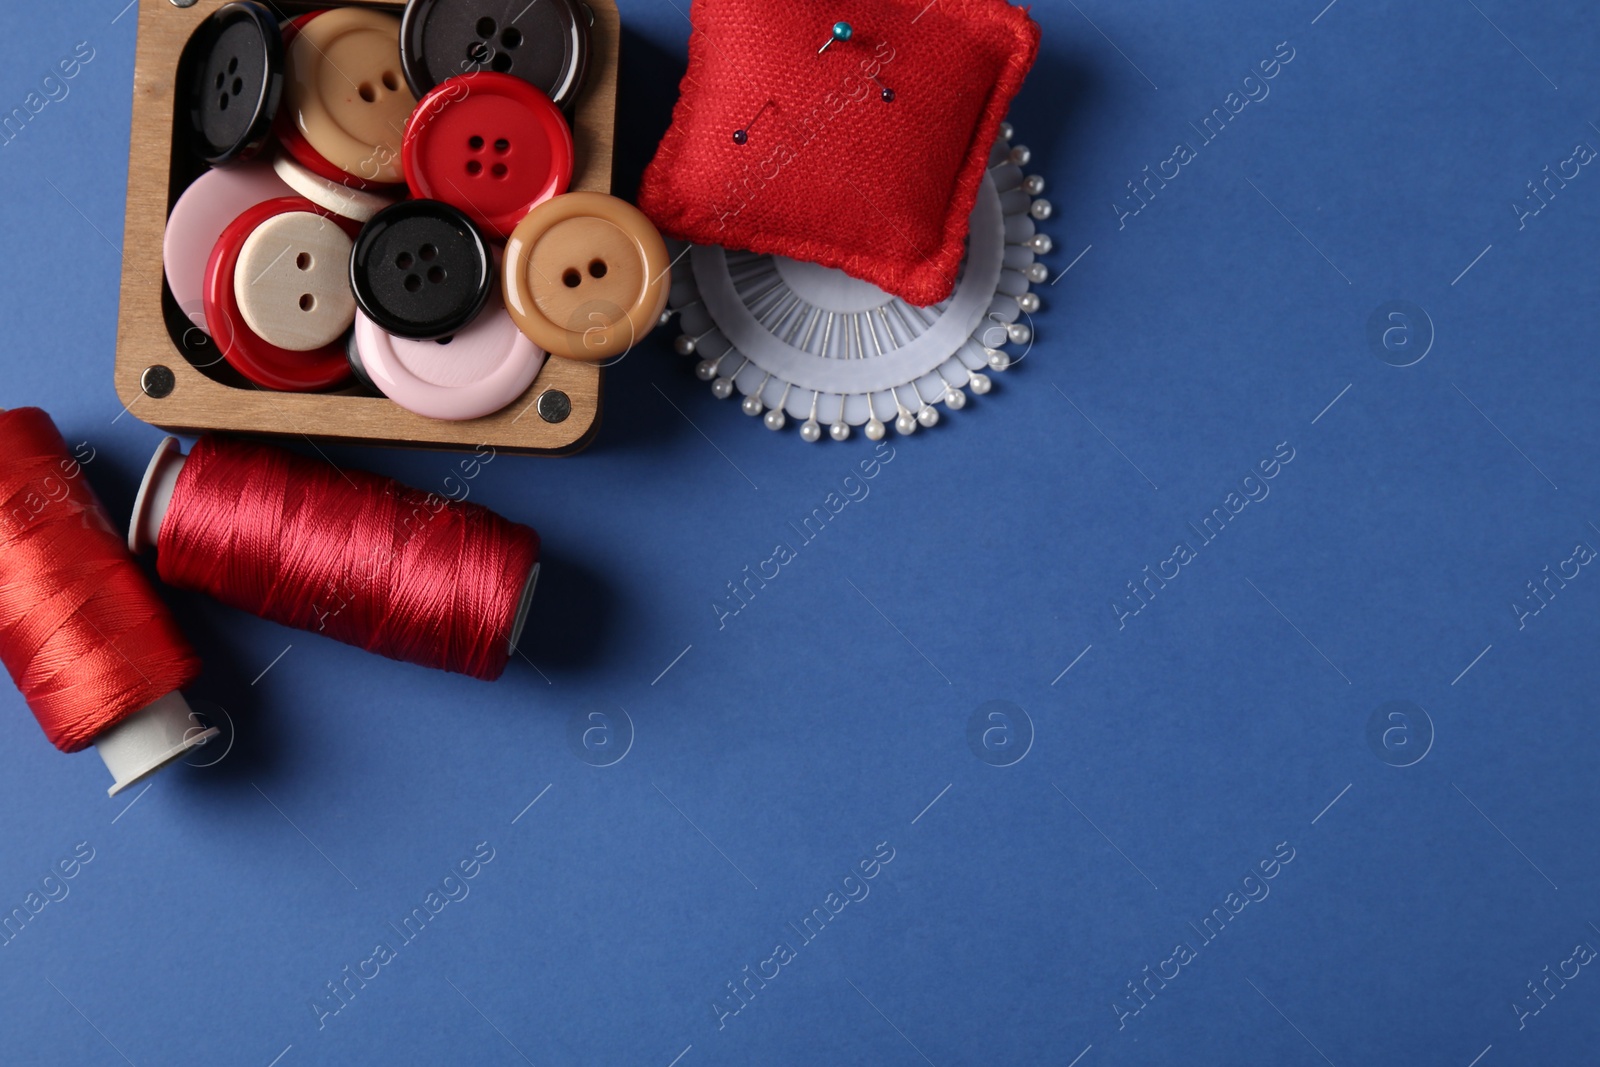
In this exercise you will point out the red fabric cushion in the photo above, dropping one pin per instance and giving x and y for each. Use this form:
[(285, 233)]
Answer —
[(830, 172)]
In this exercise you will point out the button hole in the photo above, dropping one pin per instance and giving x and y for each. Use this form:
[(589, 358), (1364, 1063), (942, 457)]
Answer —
[(238, 86), (427, 252), (474, 168), (403, 261), (390, 82), (571, 279), (486, 28), (501, 62), (475, 143), (498, 170), (233, 65), (436, 275), (367, 92), (308, 302), (597, 269), (303, 261), (412, 283), (502, 146), (511, 37)]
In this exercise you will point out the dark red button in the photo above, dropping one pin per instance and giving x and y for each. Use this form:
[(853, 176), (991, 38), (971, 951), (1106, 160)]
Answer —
[(490, 144), (263, 363)]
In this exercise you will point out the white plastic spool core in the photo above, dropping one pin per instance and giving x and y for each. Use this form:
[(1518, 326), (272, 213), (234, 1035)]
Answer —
[(148, 740), (155, 496)]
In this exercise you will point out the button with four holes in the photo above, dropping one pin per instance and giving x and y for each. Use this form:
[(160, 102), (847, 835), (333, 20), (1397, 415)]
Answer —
[(345, 100), (546, 44), (489, 144), (586, 276), (421, 269), (233, 67), (290, 280)]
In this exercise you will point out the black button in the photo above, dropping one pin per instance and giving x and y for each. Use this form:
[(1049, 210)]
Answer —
[(233, 70), (545, 43), (352, 352), (421, 269)]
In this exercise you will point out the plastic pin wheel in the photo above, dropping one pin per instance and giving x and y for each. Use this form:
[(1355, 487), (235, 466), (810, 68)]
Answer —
[(812, 344)]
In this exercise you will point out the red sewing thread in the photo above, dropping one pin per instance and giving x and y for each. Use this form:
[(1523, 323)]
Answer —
[(358, 557), (82, 632)]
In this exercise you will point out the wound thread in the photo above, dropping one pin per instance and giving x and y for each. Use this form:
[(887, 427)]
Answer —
[(82, 632), (358, 557)]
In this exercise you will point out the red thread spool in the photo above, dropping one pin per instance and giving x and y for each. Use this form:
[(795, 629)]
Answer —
[(358, 557), (95, 653)]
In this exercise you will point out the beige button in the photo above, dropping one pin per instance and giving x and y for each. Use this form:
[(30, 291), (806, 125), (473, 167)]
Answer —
[(346, 92), (586, 276), (293, 282)]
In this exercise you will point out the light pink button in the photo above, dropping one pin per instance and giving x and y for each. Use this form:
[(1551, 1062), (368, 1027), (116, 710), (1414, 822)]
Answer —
[(215, 199), (475, 373)]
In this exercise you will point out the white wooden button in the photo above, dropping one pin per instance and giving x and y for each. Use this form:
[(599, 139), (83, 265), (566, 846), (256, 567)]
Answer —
[(293, 282), (344, 200)]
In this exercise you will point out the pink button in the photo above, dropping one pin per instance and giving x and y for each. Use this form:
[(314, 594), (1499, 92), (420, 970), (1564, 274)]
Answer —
[(474, 373), (205, 209)]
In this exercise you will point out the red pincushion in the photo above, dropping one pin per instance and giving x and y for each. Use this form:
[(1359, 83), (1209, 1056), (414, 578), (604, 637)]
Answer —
[(830, 173)]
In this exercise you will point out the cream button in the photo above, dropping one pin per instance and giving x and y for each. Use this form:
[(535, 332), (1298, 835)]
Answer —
[(586, 276), (346, 91), (345, 201), (293, 282)]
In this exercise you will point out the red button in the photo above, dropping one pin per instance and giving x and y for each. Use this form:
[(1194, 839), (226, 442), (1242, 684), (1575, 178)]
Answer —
[(490, 144), (266, 364)]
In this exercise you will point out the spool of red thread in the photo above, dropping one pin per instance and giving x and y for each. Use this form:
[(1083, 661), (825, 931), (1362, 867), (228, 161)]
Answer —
[(94, 651), (349, 554)]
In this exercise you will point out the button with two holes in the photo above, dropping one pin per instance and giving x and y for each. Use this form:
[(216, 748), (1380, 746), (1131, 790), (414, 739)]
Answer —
[(421, 269), (345, 101), (277, 305), (586, 276), (292, 284), (233, 68), (491, 145), (545, 44)]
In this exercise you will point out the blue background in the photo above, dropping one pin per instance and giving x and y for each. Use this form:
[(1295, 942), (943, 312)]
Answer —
[(767, 758)]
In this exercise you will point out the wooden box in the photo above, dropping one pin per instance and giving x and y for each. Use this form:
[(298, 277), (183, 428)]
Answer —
[(170, 374)]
